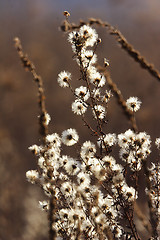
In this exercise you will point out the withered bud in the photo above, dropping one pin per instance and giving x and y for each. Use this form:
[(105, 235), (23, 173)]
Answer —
[(66, 14), (106, 62), (99, 40)]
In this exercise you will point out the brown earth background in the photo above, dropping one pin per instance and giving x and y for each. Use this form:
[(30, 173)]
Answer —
[(37, 24)]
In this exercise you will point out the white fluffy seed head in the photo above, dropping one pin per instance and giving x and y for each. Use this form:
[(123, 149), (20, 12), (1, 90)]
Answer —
[(70, 137), (89, 35), (72, 167), (107, 140), (157, 143), (133, 104), (47, 118), (32, 176), (88, 57), (97, 79), (64, 79), (44, 205), (35, 149), (88, 150), (99, 112), (79, 107), (54, 140), (82, 93), (83, 179)]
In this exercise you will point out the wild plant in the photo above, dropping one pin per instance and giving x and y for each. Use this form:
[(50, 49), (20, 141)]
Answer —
[(88, 195)]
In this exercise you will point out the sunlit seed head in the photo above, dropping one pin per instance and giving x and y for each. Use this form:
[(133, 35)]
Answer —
[(99, 112), (70, 137), (157, 143), (79, 107), (82, 93), (89, 35), (64, 79), (133, 104), (88, 149), (66, 14)]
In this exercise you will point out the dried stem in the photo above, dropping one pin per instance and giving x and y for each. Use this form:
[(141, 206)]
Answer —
[(52, 232), (28, 65), (119, 97), (132, 225), (152, 210), (66, 26), (142, 218)]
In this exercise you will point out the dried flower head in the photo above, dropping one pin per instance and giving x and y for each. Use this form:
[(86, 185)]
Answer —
[(89, 34), (97, 79), (66, 14), (44, 205), (70, 137), (47, 118), (96, 94), (35, 149), (72, 167), (88, 57), (53, 140), (83, 179), (88, 150), (64, 78), (107, 140), (134, 148), (79, 107), (32, 176), (107, 96), (106, 62), (82, 93), (157, 143), (133, 104), (99, 112)]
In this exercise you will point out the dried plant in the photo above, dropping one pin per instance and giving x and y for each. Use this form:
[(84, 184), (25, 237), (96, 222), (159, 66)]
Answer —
[(88, 196)]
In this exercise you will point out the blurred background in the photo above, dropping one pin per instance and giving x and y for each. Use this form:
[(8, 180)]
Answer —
[(37, 24)]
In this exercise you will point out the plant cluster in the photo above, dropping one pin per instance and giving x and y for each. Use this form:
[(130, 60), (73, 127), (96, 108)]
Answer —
[(89, 197)]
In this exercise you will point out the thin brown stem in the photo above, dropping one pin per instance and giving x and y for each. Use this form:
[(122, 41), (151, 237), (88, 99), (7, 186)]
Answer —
[(132, 226), (89, 127), (51, 216), (119, 97), (28, 65), (142, 217), (152, 210)]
